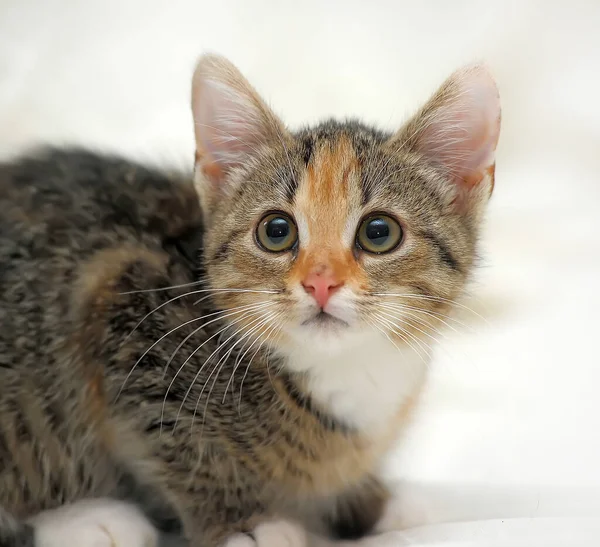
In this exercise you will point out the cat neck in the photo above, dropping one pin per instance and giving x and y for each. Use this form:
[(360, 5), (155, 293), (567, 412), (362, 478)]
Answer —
[(363, 385)]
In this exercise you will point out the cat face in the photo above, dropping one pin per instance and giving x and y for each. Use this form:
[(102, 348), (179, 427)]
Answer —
[(316, 238)]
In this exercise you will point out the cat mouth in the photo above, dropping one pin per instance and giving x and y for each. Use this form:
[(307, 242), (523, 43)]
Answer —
[(324, 319)]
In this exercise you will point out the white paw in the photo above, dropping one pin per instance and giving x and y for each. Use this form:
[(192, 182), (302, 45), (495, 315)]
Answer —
[(276, 533), (94, 523), (240, 540)]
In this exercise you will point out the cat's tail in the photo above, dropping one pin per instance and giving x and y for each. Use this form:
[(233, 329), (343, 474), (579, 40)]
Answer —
[(14, 533)]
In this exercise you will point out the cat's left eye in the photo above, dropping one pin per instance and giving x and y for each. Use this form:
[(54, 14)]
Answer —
[(276, 233), (378, 234)]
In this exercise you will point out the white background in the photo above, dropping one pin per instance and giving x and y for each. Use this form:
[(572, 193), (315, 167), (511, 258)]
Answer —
[(510, 424)]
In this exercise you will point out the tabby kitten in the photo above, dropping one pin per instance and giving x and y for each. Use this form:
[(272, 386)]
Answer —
[(242, 345)]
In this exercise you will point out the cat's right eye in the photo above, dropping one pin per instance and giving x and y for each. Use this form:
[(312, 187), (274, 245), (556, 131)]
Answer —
[(276, 233), (379, 234)]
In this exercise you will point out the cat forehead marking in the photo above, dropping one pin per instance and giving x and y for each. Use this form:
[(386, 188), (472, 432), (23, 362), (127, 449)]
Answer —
[(327, 194)]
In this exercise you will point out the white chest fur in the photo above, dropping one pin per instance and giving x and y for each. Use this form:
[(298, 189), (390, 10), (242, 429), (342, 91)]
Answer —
[(363, 382)]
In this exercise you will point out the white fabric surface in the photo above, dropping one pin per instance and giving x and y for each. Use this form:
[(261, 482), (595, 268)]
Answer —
[(510, 424)]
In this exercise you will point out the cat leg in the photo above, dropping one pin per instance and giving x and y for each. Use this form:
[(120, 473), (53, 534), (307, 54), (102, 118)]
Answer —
[(95, 523), (273, 533), (14, 533), (357, 512), (350, 516)]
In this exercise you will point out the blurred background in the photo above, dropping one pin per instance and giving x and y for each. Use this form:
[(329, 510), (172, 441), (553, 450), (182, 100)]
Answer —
[(510, 423)]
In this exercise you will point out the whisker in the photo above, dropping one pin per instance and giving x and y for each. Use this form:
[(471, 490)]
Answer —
[(262, 320), (205, 362), (434, 299), (202, 299), (410, 323), (237, 362), (198, 282), (271, 335), (221, 359), (406, 341), (169, 333), (400, 335), (435, 315), (158, 308), (154, 344), (416, 320), (221, 291), (401, 313), (413, 326), (246, 307), (240, 358), (197, 292), (245, 314), (406, 336), (373, 324), (150, 348), (402, 323)]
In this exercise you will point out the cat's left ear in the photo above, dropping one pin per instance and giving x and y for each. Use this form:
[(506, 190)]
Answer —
[(457, 131), (231, 122)]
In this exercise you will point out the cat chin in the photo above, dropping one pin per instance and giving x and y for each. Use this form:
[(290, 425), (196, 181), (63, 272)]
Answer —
[(317, 339)]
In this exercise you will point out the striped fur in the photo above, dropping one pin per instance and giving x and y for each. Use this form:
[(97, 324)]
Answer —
[(129, 366)]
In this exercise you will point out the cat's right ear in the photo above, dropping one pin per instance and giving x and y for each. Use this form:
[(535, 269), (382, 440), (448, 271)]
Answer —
[(457, 130), (231, 123)]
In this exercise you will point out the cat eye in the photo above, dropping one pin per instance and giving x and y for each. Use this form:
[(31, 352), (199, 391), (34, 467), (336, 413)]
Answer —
[(379, 234), (276, 233)]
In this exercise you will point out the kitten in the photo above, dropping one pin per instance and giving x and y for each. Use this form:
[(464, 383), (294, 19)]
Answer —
[(239, 346)]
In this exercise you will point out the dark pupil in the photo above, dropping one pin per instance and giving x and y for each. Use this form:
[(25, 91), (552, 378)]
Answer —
[(277, 230), (378, 231)]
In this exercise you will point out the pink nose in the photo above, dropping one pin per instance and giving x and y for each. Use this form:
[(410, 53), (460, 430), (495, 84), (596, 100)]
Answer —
[(321, 286)]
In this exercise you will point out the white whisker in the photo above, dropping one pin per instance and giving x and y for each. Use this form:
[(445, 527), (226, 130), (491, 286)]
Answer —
[(410, 322), (245, 314), (405, 321), (197, 282), (242, 355), (240, 309), (437, 316), (434, 299), (262, 320), (199, 291), (153, 345), (221, 291), (402, 335), (271, 335), (395, 327)]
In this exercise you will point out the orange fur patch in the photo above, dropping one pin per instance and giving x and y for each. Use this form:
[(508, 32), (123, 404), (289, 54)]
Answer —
[(323, 200)]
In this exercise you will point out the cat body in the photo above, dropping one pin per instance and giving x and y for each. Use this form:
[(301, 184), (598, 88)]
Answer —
[(239, 344)]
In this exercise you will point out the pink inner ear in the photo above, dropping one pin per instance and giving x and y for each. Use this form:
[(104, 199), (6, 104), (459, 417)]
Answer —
[(463, 128), (223, 126), (231, 122)]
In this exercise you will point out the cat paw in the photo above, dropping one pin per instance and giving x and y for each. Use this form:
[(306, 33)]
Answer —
[(277, 533), (94, 523)]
